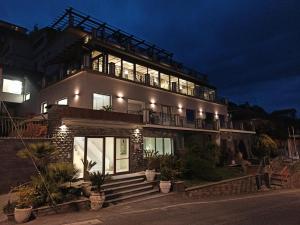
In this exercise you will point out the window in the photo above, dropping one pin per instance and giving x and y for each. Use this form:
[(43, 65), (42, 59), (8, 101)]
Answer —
[(100, 101), (135, 107), (114, 65), (44, 107), (174, 83), (97, 61), (190, 115), (140, 73), (12, 86), (161, 145), (191, 88), (183, 86), (78, 154), (165, 81), (63, 101), (153, 77), (27, 96), (128, 70)]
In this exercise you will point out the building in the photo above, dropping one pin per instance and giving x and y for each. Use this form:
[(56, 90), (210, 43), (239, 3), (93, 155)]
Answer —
[(107, 96)]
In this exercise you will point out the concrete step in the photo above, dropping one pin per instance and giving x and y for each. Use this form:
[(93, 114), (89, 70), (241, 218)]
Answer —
[(117, 183), (130, 197), (109, 190), (128, 192)]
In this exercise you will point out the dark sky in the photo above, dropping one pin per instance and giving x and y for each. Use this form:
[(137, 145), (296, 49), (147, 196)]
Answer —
[(250, 49)]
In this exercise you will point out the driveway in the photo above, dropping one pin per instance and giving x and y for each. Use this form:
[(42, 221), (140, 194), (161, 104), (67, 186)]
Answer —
[(268, 208)]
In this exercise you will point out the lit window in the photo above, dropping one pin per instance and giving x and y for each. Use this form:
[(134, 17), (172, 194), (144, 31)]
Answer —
[(165, 81), (44, 107), (27, 96), (161, 145), (101, 101), (141, 71), (12, 86), (97, 59), (174, 83), (183, 86), (191, 88), (63, 101), (153, 77), (114, 65), (128, 70)]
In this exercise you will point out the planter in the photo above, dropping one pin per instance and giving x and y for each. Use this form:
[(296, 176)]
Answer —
[(22, 215), (97, 200), (165, 186), (150, 175)]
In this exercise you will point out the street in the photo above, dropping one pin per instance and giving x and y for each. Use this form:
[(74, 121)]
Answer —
[(268, 208)]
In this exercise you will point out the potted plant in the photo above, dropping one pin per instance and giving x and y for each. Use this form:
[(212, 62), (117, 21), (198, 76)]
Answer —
[(151, 158), (23, 208), (97, 196), (166, 175), (86, 185)]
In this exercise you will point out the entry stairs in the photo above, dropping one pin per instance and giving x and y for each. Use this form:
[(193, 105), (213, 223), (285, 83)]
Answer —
[(129, 187)]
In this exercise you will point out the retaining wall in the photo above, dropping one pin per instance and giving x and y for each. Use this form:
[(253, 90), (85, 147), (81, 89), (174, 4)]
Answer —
[(241, 185)]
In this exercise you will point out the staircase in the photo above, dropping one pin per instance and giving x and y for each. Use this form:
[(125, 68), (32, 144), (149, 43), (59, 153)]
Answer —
[(127, 188), (279, 179)]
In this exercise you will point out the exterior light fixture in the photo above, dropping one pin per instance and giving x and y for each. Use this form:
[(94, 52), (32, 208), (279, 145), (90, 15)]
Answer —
[(76, 94), (216, 115), (180, 108), (120, 97), (152, 103), (63, 127)]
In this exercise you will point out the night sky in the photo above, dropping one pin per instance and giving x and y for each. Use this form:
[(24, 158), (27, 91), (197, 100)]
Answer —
[(250, 49)]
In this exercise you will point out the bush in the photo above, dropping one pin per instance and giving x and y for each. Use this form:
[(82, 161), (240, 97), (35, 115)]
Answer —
[(265, 146), (97, 180)]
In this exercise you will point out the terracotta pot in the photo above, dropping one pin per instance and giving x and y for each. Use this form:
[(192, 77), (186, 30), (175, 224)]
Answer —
[(97, 200), (165, 186), (150, 175), (22, 215)]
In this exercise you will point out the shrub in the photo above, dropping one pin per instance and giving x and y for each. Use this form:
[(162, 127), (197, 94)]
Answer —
[(265, 146), (26, 196), (97, 180), (152, 159), (9, 208)]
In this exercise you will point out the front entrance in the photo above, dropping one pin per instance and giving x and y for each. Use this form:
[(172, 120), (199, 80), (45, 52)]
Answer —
[(111, 154)]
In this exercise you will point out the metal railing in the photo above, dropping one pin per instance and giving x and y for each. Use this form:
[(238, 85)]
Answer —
[(29, 128), (237, 125)]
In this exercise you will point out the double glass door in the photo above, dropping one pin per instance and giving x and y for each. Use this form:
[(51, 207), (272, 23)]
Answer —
[(111, 154)]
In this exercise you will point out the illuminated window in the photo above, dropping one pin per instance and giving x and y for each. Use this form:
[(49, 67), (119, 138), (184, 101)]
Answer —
[(153, 77), (44, 107), (161, 145), (114, 65), (191, 88), (128, 70), (63, 101), (140, 73), (97, 61), (174, 83), (27, 96), (183, 86), (12, 86), (101, 101), (165, 81)]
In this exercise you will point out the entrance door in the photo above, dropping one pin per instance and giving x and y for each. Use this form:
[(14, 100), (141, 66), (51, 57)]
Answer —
[(95, 151), (122, 155)]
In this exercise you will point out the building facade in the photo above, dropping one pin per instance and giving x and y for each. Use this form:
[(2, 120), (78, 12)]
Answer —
[(108, 96)]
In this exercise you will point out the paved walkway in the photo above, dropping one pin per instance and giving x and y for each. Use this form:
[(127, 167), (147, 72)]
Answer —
[(269, 208)]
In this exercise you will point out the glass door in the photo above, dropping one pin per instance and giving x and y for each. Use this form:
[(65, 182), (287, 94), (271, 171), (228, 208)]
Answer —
[(95, 153), (122, 155)]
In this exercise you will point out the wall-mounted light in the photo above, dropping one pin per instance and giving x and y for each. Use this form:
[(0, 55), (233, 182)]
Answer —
[(152, 103), (63, 127), (120, 97), (180, 108), (216, 115), (76, 94), (201, 112)]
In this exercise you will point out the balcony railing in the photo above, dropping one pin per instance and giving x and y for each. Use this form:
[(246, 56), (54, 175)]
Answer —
[(179, 121), (237, 125), (24, 127)]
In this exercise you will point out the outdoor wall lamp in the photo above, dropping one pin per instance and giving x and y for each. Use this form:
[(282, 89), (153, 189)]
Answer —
[(120, 97), (180, 108)]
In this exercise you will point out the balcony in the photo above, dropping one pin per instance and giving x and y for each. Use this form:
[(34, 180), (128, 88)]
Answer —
[(174, 120), (237, 125)]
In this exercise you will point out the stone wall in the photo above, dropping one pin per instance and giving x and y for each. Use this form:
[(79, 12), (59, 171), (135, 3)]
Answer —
[(14, 170), (242, 185)]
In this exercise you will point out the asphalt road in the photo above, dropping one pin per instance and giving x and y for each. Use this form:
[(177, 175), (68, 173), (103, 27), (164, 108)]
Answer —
[(270, 208)]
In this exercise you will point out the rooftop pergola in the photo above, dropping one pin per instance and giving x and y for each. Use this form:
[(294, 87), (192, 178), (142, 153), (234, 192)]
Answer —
[(72, 18)]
